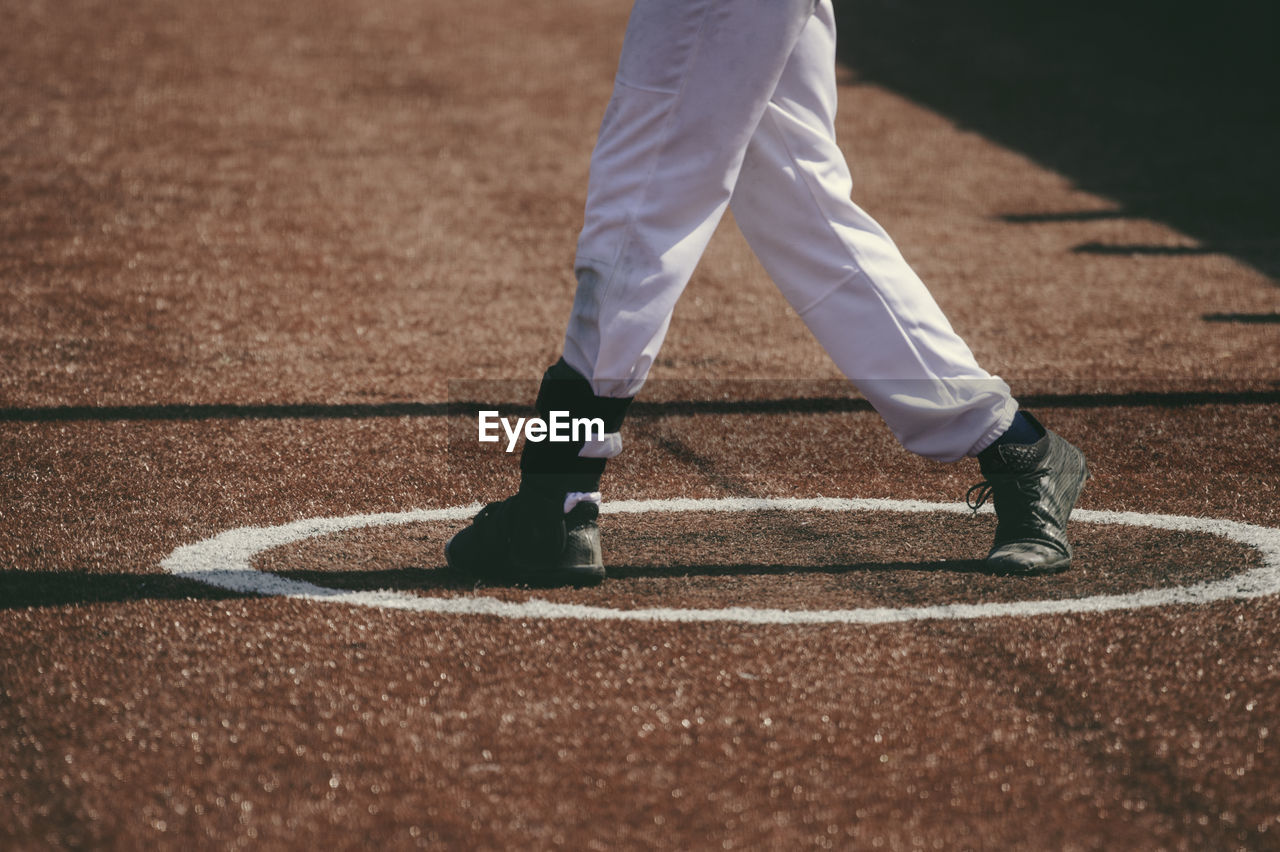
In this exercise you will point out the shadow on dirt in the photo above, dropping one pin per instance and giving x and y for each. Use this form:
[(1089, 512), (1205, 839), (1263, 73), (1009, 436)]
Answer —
[(443, 578), (946, 566), (1168, 110), (34, 589), (825, 404), (28, 589)]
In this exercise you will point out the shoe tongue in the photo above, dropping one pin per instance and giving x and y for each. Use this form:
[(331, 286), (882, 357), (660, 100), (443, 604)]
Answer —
[(1021, 458)]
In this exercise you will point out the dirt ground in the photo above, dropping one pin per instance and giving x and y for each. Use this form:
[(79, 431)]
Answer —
[(261, 260)]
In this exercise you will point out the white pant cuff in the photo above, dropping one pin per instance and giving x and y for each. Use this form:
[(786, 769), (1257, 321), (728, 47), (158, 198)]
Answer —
[(573, 498)]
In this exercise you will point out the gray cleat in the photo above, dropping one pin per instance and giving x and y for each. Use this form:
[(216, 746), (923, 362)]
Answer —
[(1034, 487), (529, 540)]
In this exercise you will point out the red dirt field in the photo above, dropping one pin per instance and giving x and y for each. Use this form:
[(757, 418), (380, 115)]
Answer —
[(261, 260)]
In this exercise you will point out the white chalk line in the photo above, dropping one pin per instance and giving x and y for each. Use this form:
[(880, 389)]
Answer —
[(225, 561)]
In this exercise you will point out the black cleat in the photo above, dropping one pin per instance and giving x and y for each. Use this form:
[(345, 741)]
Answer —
[(1035, 487), (529, 540)]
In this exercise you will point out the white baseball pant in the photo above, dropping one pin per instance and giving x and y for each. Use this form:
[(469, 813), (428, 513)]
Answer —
[(733, 101)]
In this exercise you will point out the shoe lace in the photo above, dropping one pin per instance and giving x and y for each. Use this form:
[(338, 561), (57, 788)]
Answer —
[(984, 489), (1026, 484)]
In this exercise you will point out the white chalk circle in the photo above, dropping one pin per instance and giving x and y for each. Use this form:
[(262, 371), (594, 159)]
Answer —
[(225, 561)]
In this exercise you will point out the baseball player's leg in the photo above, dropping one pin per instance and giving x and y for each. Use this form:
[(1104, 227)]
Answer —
[(848, 281), (846, 278), (693, 80)]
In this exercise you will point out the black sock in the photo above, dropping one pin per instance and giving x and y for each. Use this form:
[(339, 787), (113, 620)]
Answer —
[(556, 467), (1024, 429)]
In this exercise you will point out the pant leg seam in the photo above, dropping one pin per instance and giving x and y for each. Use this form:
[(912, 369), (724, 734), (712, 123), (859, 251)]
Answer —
[(642, 196), (854, 257), (639, 88)]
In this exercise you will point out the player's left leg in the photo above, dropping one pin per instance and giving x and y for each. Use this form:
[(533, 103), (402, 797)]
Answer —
[(871, 312), (693, 79)]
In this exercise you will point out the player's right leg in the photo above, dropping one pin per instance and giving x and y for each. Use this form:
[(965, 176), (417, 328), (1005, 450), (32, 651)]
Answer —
[(693, 80)]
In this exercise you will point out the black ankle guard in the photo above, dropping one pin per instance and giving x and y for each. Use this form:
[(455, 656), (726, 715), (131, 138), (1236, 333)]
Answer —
[(547, 466)]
